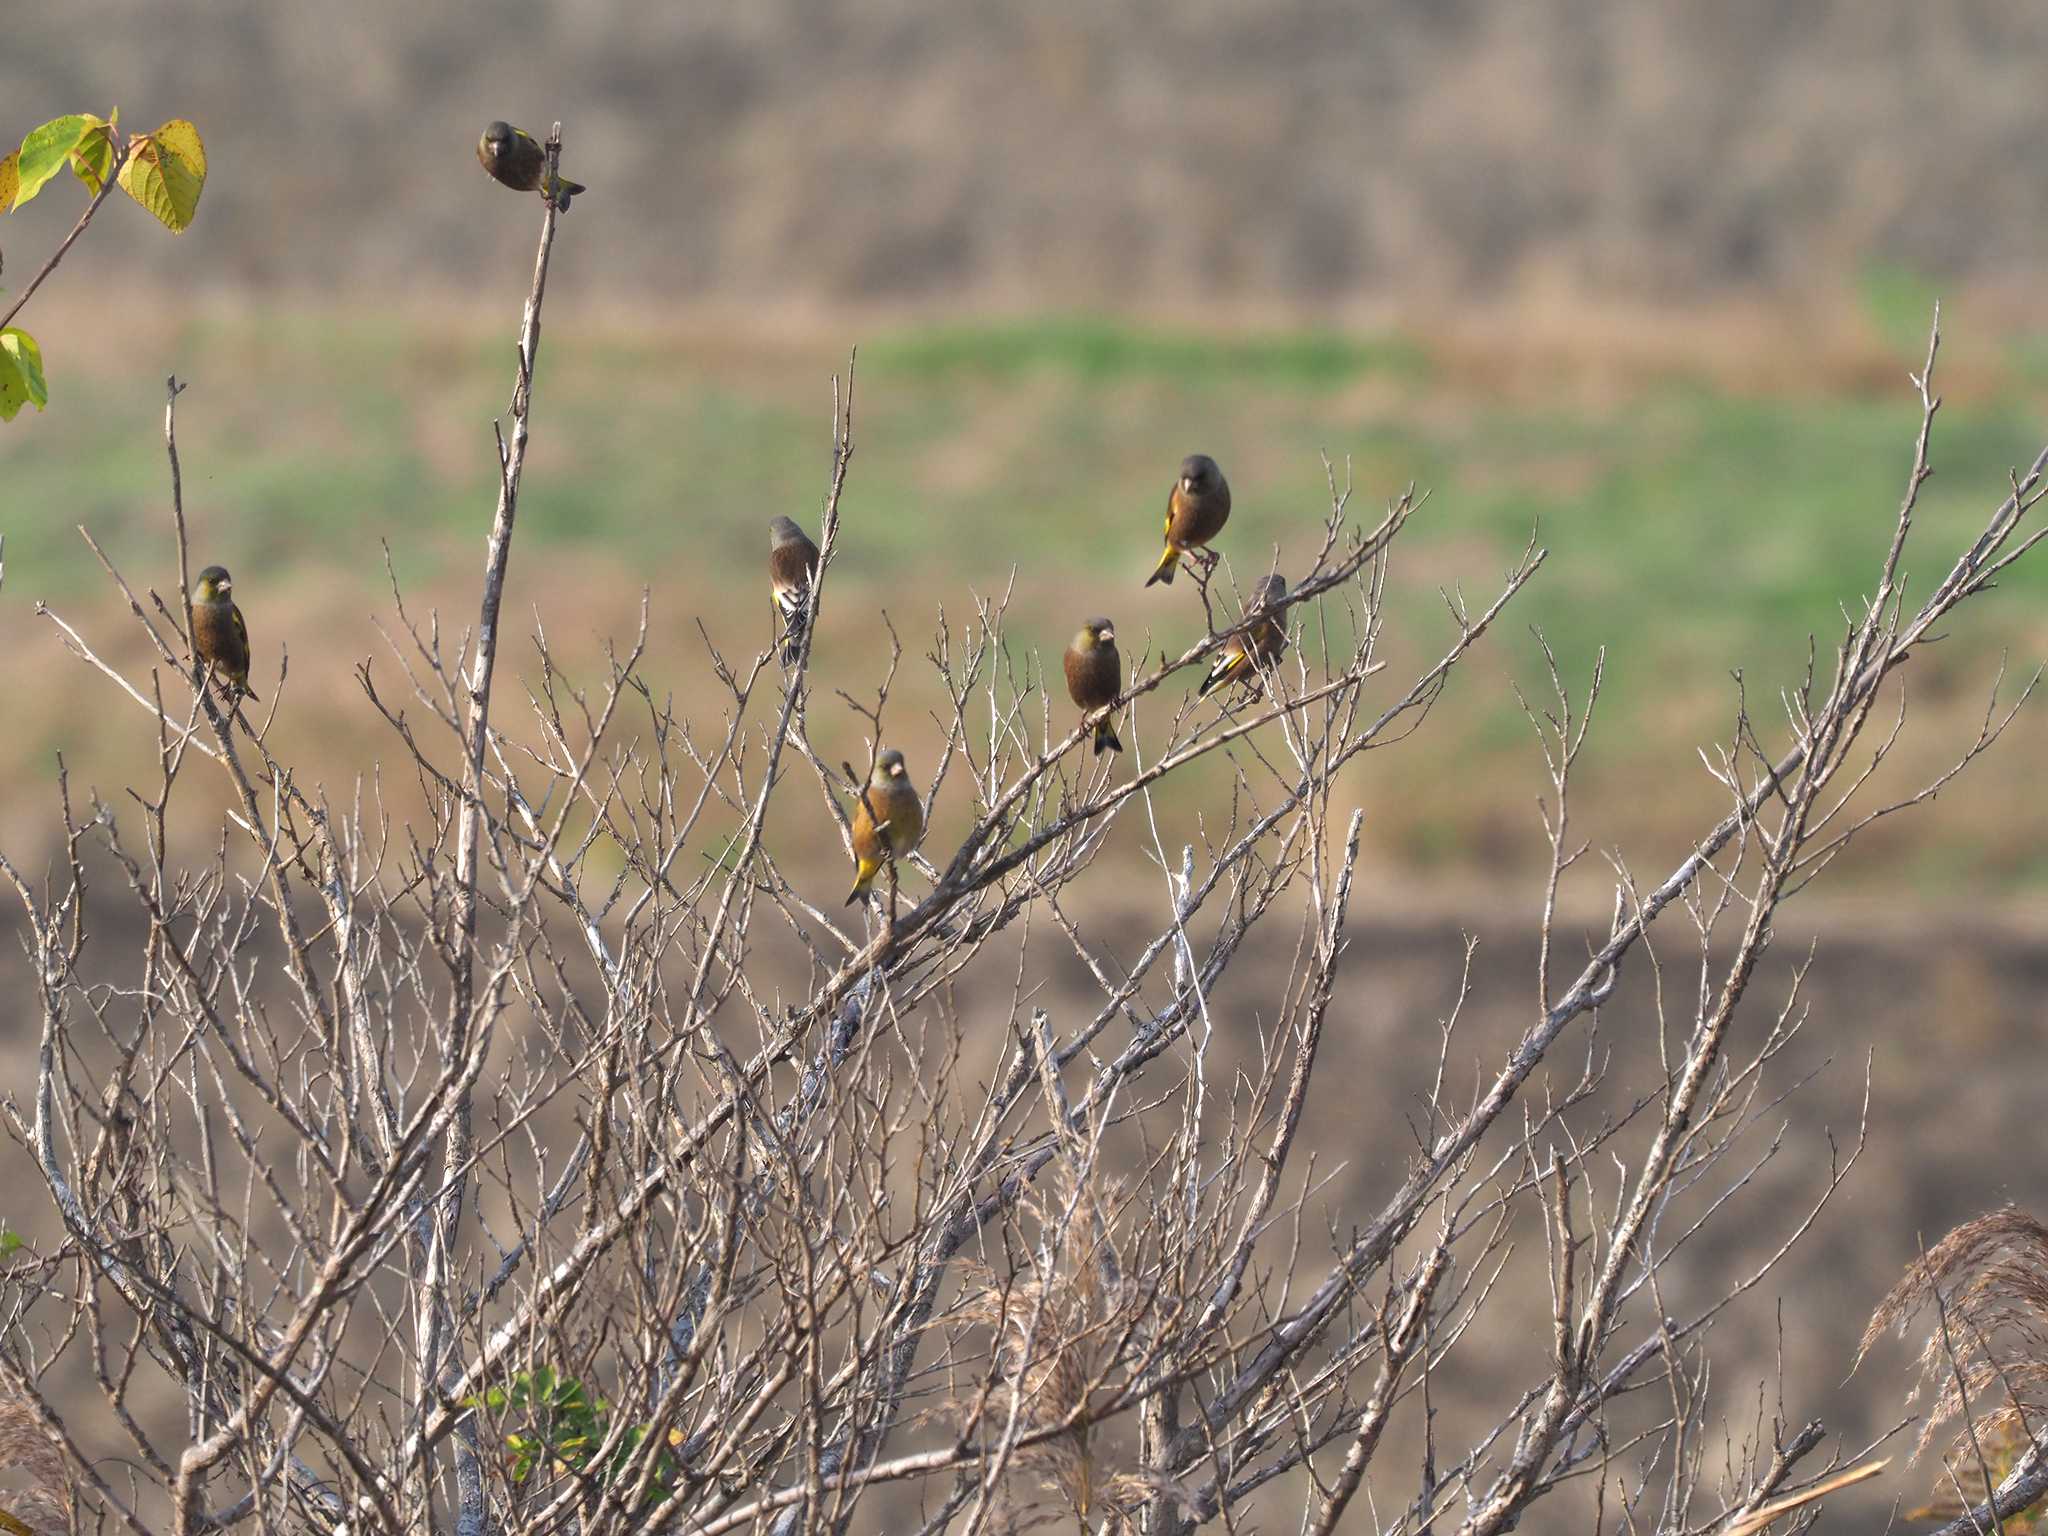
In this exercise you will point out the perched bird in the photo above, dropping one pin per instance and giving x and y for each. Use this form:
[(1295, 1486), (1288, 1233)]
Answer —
[(1257, 645), (1095, 676), (792, 567), (517, 158), (888, 819), (1196, 510), (218, 633)]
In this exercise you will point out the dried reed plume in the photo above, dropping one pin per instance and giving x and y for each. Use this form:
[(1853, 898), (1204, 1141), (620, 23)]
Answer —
[(1060, 1329), (35, 1486), (1987, 1284)]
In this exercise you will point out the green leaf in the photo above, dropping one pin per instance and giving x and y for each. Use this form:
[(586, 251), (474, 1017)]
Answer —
[(166, 171), (10, 179), (21, 373), (47, 150), (94, 157)]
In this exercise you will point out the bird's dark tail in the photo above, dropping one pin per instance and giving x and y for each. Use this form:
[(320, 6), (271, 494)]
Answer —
[(794, 625), (1105, 738), (1220, 674), (1167, 564)]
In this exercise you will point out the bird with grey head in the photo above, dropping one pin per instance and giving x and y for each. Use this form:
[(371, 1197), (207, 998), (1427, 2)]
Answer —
[(1259, 642), (888, 821), (1095, 678), (792, 568), (219, 635), (516, 159), (1196, 509)]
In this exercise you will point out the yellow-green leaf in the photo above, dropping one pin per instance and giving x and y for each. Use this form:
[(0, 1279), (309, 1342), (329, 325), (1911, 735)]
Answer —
[(165, 172), (94, 157), (21, 373), (10, 179), (47, 150)]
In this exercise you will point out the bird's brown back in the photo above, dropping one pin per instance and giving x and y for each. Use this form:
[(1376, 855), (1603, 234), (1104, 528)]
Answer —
[(792, 564), (1268, 638)]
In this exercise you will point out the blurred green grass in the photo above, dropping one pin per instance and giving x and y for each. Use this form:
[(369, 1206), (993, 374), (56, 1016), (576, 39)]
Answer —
[(1103, 351), (1695, 527)]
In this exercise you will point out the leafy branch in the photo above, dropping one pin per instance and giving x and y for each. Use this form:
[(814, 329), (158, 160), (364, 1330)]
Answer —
[(164, 171), (561, 1428)]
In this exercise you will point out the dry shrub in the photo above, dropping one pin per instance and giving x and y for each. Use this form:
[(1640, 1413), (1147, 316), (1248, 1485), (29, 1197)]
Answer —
[(555, 1163)]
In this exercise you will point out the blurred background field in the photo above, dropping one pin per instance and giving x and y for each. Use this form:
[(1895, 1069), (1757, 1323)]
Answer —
[(1697, 521), (1643, 281)]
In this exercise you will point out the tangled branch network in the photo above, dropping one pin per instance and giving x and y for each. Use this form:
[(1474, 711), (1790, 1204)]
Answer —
[(471, 1174)]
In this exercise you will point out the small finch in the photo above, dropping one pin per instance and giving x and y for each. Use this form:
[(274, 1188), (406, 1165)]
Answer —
[(1095, 676), (516, 158), (888, 820), (1196, 510), (218, 633), (792, 567), (1259, 644)]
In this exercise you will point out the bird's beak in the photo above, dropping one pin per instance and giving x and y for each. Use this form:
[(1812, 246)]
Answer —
[(1187, 482), (1107, 634)]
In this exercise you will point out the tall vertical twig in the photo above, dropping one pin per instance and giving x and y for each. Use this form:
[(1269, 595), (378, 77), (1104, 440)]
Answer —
[(436, 1320), (497, 557)]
